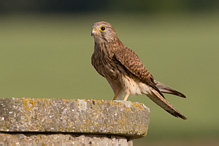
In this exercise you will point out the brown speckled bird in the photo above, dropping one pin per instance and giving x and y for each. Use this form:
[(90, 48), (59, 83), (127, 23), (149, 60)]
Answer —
[(124, 71)]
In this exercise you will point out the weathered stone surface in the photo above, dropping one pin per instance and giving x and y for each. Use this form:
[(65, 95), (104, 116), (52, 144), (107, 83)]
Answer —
[(62, 140), (74, 116)]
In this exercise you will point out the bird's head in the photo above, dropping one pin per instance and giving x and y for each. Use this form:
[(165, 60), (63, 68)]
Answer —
[(103, 31)]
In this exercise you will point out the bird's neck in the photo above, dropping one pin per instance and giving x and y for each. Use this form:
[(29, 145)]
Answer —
[(107, 48)]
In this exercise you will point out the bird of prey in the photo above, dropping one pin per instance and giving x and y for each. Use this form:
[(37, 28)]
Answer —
[(124, 71)]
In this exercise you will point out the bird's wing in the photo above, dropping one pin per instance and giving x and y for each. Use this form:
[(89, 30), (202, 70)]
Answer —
[(130, 61)]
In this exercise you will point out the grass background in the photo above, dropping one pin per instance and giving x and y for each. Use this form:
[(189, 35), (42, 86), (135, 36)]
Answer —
[(49, 56)]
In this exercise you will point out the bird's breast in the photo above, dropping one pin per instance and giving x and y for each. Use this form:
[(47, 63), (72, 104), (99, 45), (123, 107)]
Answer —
[(103, 62)]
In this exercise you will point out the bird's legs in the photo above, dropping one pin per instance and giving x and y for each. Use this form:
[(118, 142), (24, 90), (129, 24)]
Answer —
[(117, 94), (126, 96)]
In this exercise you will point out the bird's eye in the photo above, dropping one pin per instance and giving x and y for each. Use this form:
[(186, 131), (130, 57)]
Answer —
[(102, 28)]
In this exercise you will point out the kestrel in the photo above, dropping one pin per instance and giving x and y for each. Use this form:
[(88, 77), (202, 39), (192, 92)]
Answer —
[(124, 71)]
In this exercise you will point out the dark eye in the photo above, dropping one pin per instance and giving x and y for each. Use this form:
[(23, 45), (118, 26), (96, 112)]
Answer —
[(102, 28)]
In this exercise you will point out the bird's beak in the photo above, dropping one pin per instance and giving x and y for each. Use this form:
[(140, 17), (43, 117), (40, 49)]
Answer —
[(94, 32)]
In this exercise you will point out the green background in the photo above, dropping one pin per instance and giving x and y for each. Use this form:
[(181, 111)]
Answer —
[(49, 56)]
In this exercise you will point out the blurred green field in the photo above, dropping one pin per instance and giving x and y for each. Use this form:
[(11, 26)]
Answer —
[(49, 56)]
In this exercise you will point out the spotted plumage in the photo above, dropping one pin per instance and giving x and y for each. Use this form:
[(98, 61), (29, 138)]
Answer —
[(124, 71)]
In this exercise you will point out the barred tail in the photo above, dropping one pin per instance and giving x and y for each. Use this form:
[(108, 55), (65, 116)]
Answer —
[(166, 89), (162, 102)]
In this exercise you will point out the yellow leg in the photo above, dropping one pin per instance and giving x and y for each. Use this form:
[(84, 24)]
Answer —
[(116, 95), (126, 96)]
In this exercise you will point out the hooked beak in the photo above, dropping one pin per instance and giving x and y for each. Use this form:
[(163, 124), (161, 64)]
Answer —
[(94, 32)]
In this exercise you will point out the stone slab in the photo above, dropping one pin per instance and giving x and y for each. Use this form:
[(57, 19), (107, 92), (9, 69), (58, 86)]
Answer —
[(89, 116), (62, 140)]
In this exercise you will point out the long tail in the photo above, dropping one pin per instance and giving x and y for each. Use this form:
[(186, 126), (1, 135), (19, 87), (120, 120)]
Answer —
[(162, 102), (166, 89)]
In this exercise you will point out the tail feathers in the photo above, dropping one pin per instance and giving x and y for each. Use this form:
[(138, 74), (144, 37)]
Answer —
[(162, 102), (166, 89)]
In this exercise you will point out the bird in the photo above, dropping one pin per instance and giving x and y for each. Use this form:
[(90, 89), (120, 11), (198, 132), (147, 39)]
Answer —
[(124, 70)]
